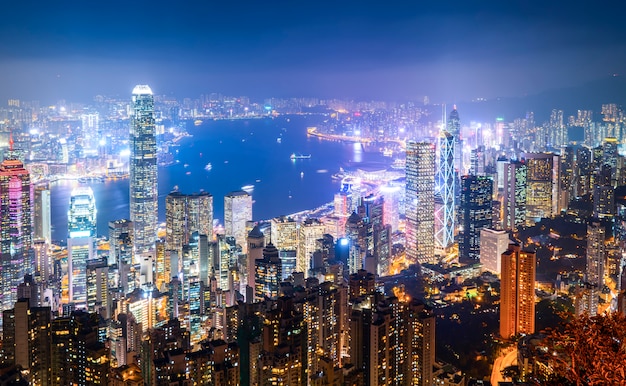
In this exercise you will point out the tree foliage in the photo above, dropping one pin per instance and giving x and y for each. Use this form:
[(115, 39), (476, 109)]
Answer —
[(588, 350)]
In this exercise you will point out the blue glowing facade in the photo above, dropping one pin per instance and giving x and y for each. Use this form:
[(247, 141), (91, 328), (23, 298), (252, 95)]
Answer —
[(444, 191)]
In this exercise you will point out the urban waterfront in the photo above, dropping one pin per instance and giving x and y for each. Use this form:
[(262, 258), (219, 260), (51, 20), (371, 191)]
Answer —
[(241, 152)]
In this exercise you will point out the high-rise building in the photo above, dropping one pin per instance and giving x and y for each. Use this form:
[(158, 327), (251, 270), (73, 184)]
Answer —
[(284, 231), (493, 243), (420, 202), (517, 292), (268, 274), (42, 213), (81, 218), (444, 191), (237, 212), (27, 341), (514, 195), (393, 342), (454, 128), (594, 271), (16, 197), (542, 186), (186, 214), (143, 170), (476, 214), (121, 253), (256, 247), (583, 171), (78, 356), (97, 284), (310, 231)]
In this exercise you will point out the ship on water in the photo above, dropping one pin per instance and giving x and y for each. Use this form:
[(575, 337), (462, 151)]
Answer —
[(295, 156)]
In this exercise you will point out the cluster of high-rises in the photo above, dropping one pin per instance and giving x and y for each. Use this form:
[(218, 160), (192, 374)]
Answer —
[(285, 302), (298, 300)]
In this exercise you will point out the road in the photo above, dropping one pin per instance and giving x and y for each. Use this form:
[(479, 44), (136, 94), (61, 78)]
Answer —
[(500, 364)]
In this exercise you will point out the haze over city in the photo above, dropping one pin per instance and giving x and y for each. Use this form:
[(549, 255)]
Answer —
[(452, 51), (312, 193)]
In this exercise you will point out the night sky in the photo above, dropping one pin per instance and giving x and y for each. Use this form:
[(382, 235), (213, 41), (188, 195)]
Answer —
[(449, 50)]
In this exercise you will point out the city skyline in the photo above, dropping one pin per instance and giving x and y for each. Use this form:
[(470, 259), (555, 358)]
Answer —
[(452, 52)]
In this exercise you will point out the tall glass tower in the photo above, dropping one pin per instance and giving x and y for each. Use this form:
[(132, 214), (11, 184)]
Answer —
[(444, 191), (454, 128), (420, 202), (81, 221), (143, 170), (16, 197)]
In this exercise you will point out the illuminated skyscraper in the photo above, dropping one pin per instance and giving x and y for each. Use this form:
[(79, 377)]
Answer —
[(81, 219), (454, 128), (476, 214), (542, 186), (493, 243), (237, 211), (444, 191), (515, 174), (310, 231), (41, 217), (517, 292), (420, 202), (186, 214), (284, 232), (268, 274), (16, 195), (143, 170), (594, 272), (121, 253)]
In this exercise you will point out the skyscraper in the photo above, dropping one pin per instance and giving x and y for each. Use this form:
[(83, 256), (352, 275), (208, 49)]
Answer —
[(476, 214), (420, 202), (310, 231), (268, 274), (41, 217), (16, 195), (81, 219), (594, 271), (542, 186), (237, 211), (517, 292), (186, 214), (515, 174), (143, 170), (493, 243), (444, 191), (454, 128)]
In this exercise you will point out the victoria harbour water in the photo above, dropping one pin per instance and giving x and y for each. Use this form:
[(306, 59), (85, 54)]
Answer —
[(241, 152)]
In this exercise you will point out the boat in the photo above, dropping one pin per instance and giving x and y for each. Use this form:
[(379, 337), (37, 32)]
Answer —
[(279, 140), (247, 188), (188, 173), (208, 167), (295, 156), (301, 174), (197, 122), (186, 165)]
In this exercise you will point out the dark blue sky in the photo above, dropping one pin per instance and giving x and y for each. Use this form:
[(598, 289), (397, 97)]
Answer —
[(451, 50)]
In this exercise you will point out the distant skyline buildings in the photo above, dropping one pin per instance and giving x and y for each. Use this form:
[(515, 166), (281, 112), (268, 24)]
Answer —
[(143, 170)]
